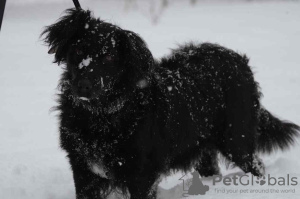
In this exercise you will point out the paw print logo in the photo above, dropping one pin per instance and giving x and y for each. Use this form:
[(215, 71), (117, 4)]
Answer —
[(197, 187), (261, 181)]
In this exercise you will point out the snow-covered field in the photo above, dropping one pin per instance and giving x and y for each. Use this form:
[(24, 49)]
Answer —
[(32, 165)]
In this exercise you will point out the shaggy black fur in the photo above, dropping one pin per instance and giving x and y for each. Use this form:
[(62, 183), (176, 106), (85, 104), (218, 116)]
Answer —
[(125, 119)]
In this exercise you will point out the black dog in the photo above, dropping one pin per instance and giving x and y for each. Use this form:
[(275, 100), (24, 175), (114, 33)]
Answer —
[(125, 118)]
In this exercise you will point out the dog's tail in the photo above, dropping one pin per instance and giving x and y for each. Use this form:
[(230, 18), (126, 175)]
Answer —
[(275, 134)]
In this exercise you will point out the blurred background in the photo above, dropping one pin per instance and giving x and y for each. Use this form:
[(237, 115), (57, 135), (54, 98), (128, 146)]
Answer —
[(31, 162)]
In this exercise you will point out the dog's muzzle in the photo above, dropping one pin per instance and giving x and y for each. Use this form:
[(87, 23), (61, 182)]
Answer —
[(85, 88)]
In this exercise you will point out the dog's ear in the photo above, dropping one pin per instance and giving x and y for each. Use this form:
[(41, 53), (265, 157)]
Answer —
[(135, 56), (59, 35)]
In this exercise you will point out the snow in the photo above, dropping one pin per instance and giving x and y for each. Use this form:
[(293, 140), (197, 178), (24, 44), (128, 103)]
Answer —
[(113, 42), (143, 83), (99, 170), (32, 165), (102, 84), (84, 98), (85, 62)]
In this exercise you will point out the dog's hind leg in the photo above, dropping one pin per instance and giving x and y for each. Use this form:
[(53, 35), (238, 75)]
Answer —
[(208, 163), (258, 167), (239, 139)]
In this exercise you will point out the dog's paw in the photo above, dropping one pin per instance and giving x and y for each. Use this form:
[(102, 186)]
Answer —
[(258, 167)]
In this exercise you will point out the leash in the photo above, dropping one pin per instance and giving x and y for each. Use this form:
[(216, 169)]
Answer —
[(2, 7), (77, 4)]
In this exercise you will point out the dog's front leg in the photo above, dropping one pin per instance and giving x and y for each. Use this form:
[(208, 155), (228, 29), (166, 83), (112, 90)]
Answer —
[(88, 185), (144, 186), (207, 164)]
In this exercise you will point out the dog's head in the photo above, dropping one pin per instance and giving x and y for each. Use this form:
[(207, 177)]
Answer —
[(100, 59)]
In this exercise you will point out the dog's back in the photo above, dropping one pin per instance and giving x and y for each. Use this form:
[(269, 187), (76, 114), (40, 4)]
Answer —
[(212, 91)]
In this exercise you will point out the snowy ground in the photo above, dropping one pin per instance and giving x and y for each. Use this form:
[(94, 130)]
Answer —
[(31, 163)]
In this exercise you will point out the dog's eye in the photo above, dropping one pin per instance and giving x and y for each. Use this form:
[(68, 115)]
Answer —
[(79, 52), (108, 58)]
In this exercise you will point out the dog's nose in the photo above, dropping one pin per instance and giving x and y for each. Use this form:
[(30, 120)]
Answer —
[(84, 87)]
